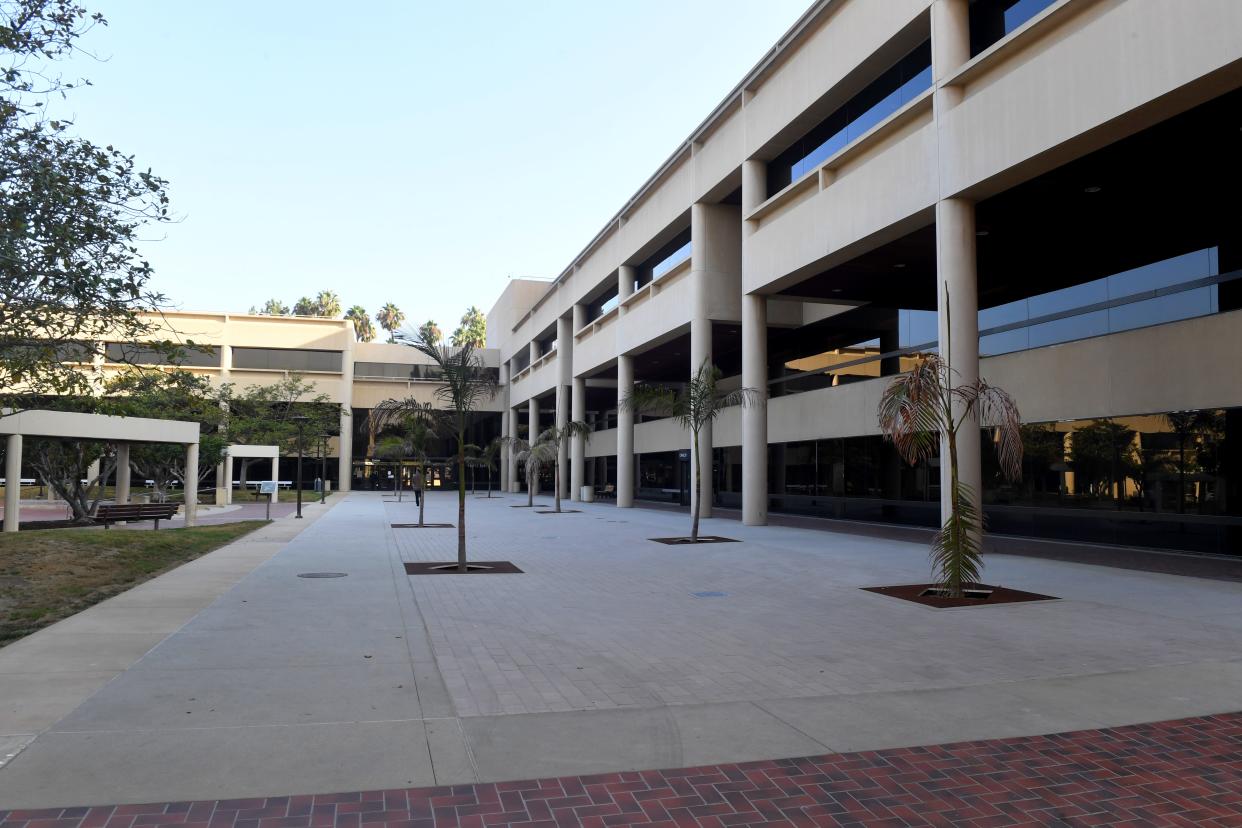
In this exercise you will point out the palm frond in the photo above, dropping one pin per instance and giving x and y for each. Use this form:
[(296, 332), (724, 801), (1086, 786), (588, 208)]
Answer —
[(913, 410), (996, 409), (956, 551)]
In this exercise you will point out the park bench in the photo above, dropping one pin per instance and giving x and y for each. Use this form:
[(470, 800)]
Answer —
[(116, 512)]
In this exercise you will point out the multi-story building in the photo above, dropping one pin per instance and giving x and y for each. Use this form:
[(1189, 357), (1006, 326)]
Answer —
[(1061, 175), (258, 350)]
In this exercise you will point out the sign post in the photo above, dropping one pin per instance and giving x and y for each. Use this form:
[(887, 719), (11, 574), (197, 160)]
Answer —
[(268, 487)]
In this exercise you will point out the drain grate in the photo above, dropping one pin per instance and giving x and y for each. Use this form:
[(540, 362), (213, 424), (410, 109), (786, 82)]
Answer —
[(322, 574), (709, 594)]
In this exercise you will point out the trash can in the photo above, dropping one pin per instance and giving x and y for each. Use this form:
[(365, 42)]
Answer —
[(587, 494)]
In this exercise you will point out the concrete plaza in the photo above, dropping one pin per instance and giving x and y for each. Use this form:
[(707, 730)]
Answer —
[(233, 677)]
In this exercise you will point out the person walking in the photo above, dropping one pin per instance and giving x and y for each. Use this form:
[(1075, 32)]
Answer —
[(418, 487)]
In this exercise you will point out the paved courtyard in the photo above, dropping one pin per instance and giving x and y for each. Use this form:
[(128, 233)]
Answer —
[(231, 677)]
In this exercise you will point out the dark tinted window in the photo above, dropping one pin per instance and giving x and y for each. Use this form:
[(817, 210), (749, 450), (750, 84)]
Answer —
[(287, 359), (138, 354), (906, 80)]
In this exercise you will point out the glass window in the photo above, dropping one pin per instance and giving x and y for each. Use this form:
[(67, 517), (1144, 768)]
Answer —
[(896, 87), (286, 359), (140, 354)]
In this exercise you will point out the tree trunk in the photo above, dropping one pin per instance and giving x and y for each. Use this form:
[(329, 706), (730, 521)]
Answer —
[(954, 584), (461, 502), (556, 483), (422, 497), (489, 482), (397, 484), (530, 486), (694, 497)]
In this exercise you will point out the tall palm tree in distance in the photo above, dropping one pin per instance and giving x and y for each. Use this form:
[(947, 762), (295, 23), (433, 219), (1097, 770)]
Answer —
[(363, 328), (390, 318), (328, 304), (693, 406), (429, 332)]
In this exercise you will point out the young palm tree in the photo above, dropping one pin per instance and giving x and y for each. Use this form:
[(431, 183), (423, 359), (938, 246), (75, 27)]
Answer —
[(393, 449), (464, 384), (419, 422), (390, 319), (916, 410), (533, 457), (694, 406), (489, 458), (363, 328), (558, 438)]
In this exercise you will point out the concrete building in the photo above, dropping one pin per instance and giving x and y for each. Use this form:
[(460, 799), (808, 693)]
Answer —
[(257, 350), (1043, 188)]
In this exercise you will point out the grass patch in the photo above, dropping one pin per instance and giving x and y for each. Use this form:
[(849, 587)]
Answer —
[(46, 576)]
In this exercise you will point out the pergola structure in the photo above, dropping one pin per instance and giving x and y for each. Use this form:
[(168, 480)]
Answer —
[(68, 425), (224, 495)]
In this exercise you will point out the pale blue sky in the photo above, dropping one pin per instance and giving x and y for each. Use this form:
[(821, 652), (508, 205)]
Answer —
[(413, 152)]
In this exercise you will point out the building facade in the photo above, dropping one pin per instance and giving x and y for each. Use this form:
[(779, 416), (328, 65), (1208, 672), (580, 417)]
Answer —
[(259, 350), (1042, 190)]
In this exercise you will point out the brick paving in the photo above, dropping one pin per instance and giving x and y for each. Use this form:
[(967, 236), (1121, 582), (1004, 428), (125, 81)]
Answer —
[(1182, 772)]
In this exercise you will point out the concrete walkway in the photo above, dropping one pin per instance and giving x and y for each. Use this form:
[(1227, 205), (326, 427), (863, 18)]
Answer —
[(601, 657)]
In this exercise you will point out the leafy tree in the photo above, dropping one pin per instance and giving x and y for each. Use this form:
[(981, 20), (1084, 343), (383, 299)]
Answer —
[(65, 464), (262, 415), (465, 384), (392, 449), (693, 406), (363, 328), (472, 330), (916, 409), (305, 306), (429, 332), (274, 307), (1102, 455), (327, 304), (70, 217), (391, 319), (180, 395)]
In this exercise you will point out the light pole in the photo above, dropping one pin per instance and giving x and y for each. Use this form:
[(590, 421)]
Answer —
[(301, 422)]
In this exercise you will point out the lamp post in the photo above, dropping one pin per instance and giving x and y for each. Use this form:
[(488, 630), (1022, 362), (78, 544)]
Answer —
[(301, 423)]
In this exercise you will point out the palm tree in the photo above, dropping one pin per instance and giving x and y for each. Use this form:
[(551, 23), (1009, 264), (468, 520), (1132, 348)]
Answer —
[(489, 458), (916, 411), (693, 406), (394, 450), (305, 307), (464, 384), (328, 304), (557, 438), (363, 328), (390, 319), (429, 332), (418, 422), (533, 457)]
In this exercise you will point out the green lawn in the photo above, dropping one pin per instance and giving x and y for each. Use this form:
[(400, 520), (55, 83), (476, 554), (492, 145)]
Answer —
[(53, 573)]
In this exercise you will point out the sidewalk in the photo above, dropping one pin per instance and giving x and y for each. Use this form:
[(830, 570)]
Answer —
[(600, 658)]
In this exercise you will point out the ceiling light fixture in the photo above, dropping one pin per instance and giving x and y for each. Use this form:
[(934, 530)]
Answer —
[(983, 232), (1092, 189)]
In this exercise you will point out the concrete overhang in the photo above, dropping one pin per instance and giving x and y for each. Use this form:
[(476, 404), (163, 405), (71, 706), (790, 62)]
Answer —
[(104, 427)]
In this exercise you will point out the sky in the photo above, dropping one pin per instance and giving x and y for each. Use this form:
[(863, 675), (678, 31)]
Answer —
[(409, 152)]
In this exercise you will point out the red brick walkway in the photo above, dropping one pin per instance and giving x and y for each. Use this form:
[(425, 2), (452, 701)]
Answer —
[(1185, 772)]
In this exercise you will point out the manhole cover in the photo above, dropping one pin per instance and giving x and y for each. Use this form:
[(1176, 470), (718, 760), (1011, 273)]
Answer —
[(709, 594), (322, 574)]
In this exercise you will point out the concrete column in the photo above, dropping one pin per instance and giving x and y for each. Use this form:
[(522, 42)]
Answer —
[(123, 473), (506, 455), (190, 484), (12, 482), (950, 42), (958, 326), (345, 443), (700, 345), (533, 351), (228, 479), (512, 478), (274, 497), (565, 372), (754, 365), (533, 424), (625, 432), (577, 459), (625, 282)]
